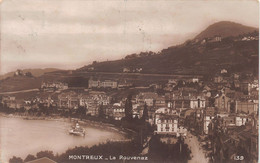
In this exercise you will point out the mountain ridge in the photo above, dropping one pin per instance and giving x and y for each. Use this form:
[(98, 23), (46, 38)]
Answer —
[(194, 56), (225, 29), (235, 54)]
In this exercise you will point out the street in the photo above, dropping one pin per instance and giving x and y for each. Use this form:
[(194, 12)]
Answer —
[(197, 155), (22, 91)]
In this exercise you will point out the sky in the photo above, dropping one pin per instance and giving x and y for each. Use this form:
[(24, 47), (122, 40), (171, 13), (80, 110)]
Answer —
[(69, 34)]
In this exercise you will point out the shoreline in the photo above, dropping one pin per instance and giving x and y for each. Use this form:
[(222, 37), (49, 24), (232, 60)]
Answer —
[(85, 122), (117, 135)]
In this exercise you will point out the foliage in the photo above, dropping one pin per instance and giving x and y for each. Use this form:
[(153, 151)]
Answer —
[(80, 112), (28, 74), (101, 111), (145, 113), (128, 108), (48, 154), (29, 158), (15, 160), (191, 59), (158, 151), (162, 152)]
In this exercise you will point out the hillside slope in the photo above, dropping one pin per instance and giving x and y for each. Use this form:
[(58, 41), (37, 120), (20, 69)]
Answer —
[(190, 59), (195, 57), (35, 72)]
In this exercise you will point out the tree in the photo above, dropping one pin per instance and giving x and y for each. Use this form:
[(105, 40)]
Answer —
[(162, 152), (81, 111), (211, 102), (42, 108), (128, 108), (232, 107), (15, 160), (180, 84), (1, 107), (29, 158), (101, 111), (145, 112), (131, 56), (28, 74), (48, 154), (144, 128)]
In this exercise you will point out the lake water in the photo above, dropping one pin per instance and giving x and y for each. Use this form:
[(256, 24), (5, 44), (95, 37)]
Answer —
[(21, 137)]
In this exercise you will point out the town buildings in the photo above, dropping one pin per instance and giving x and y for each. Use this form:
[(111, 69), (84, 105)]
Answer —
[(146, 97), (91, 101), (222, 104), (166, 122), (208, 116), (102, 84), (68, 100), (53, 86), (115, 111), (247, 107)]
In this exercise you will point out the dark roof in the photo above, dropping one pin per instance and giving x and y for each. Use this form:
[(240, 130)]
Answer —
[(42, 160)]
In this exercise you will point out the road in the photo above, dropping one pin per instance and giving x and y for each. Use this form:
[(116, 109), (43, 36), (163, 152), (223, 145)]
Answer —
[(22, 91), (196, 150), (143, 74)]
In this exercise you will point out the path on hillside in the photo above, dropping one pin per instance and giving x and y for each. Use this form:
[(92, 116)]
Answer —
[(143, 74), (22, 91), (196, 150)]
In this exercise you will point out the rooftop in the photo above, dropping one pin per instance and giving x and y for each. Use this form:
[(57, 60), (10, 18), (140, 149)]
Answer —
[(42, 160)]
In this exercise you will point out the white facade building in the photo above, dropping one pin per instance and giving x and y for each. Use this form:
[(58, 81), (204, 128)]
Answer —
[(240, 121), (197, 102), (166, 122), (167, 126)]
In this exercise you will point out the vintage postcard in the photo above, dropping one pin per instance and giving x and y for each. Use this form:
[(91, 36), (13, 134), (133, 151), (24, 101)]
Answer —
[(129, 81)]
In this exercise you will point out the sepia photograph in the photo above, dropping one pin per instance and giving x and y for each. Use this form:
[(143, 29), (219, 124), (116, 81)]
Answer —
[(155, 81)]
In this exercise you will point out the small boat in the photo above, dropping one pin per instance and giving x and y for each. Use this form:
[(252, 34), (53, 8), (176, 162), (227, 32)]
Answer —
[(77, 130)]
